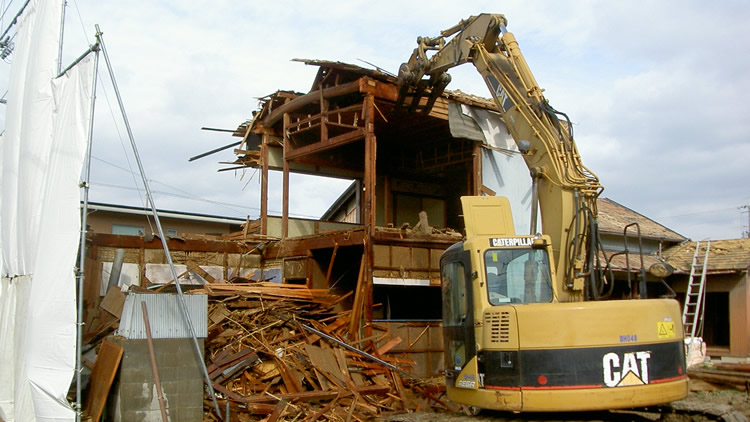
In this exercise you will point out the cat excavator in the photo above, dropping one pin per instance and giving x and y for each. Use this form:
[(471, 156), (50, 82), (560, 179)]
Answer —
[(525, 323)]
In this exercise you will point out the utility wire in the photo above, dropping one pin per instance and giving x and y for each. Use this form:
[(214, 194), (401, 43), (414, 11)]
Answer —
[(697, 213), (188, 195), (276, 212), (143, 200), (2, 18)]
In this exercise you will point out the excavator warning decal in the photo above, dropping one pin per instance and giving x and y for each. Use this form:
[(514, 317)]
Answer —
[(632, 369), (665, 329)]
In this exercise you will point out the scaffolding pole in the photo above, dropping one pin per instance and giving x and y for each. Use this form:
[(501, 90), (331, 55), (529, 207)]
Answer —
[(80, 272), (150, 199)]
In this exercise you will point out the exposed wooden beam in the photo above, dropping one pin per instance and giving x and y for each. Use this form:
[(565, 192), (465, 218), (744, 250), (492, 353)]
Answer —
[(310, 98), (301, 246), (197, 245), (363, 85), (323, 145)]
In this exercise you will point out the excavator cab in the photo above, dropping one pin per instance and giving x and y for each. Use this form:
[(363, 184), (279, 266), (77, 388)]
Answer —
[(511, 344)]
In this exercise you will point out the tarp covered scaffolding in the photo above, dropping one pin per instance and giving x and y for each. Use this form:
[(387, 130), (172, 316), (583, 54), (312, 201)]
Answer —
[(41, 156)]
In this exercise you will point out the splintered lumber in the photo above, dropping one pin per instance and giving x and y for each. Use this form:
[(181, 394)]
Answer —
[(280, 351), (355, 350)]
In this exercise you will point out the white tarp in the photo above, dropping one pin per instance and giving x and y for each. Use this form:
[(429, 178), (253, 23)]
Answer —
[(41, 156), (503, 168)]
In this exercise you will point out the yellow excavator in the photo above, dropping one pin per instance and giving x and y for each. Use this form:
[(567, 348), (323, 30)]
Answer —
[(525, 324)]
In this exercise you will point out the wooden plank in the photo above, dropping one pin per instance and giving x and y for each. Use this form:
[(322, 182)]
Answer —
[(105, 369), (113, 301), (325, 361), (192, 266), (290, 378), (399, 387), (92, 283), (330, 264), (388, 346), (343, 367)]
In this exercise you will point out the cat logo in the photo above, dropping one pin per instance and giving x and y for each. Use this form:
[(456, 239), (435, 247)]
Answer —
[(632, 369)]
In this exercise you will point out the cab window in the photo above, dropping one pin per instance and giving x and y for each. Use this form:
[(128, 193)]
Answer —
[(518, 276), (454, 293)]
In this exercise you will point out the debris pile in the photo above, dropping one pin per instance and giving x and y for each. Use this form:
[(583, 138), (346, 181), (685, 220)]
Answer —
[(284, 350)]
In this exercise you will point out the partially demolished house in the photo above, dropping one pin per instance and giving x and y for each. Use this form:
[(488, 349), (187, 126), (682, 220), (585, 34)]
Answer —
[(403, 207)]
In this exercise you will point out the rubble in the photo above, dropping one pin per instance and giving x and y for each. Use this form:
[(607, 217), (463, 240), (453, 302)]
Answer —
[(263, 362)]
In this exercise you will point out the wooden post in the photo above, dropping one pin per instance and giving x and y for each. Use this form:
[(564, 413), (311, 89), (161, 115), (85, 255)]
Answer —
[(370, 203), (477, 169), (285, 189), (154, 369), (264, 185)]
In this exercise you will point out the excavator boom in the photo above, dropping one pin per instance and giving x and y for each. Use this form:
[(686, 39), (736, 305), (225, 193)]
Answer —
[(567, 190)]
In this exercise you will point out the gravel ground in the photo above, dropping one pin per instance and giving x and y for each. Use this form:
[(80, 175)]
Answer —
[(722, 405)]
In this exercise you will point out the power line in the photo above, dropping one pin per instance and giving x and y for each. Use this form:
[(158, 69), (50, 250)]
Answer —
[(184, 194), (697, 213), (195, 198)]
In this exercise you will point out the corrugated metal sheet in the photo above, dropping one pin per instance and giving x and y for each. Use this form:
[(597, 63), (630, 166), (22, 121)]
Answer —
[(164, 315)]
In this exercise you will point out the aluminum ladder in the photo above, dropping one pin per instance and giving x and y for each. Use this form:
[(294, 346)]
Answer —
[(692, 312)]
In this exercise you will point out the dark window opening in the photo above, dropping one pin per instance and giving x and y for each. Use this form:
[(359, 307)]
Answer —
[(716, 322), (406, 303)]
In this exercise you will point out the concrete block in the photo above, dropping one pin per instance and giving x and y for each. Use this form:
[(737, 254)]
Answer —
[(181, 379)]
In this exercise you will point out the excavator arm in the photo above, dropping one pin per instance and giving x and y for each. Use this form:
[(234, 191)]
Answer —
[(564, 188)]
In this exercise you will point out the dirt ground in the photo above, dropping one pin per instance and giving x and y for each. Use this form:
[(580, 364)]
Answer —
[(717, 405)]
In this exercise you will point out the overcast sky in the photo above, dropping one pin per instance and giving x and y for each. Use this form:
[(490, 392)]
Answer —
[(656, 90)]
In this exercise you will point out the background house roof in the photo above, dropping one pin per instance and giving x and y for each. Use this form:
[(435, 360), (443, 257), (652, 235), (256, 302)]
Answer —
[(724, 256), (613, 217)]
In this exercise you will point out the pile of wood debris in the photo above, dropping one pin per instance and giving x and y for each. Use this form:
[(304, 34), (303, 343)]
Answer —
[(266, 361)]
